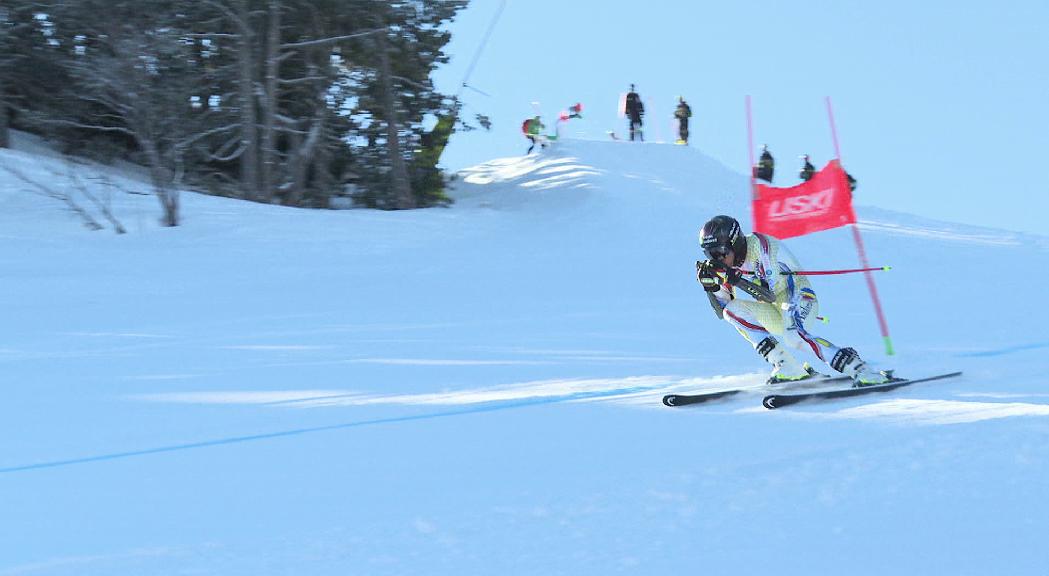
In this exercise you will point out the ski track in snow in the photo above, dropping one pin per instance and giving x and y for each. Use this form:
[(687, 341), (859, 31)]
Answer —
[(1004, 350), (565, 390), (276, 347), (929, 412), (641, 391), (115, 335), (83, 562), (471, 402), (990, 238), (241, 397)]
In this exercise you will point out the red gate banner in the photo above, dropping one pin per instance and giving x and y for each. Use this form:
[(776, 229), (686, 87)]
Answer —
[(822, 203)]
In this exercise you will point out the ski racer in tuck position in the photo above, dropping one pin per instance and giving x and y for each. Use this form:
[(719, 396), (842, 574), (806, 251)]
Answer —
[(763, 267)]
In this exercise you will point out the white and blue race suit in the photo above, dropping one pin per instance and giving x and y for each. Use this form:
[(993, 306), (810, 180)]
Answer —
[(768, 263)]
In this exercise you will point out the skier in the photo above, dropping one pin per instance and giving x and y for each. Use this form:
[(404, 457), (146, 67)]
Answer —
[(575, 111), (533, 129), (808, 170), (682, 113), (635, 110), (760, 265), (766, 165)]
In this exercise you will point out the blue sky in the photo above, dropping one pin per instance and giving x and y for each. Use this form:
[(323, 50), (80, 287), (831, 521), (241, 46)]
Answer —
[(940, 106)]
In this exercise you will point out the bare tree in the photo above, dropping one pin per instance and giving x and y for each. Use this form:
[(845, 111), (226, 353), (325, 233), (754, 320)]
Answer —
[(132, 90), (101, 204), (64, 197), (61, 194)]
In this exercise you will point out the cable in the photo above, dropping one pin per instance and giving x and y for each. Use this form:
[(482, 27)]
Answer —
[(477, 55)]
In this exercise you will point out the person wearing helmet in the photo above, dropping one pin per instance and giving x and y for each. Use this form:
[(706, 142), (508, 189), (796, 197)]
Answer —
[(766, 165), (807, 169), (761, 265), (682, 113)]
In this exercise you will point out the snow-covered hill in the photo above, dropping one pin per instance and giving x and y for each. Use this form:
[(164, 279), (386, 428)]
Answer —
[(475, 390)]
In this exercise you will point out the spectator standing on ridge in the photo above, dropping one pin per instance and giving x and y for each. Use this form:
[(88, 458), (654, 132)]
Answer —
[(533, 130), (682, 113), (807, 170), (766, 165), (635, 110)]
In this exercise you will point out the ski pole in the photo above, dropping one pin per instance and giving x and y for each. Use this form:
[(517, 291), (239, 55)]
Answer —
[(828, 272)]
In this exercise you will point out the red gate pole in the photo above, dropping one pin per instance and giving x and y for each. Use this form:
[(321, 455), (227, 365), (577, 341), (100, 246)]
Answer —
[(859, 248), (750, 155)]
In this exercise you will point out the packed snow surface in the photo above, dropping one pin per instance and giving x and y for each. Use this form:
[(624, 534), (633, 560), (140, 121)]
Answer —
[(476, 389)]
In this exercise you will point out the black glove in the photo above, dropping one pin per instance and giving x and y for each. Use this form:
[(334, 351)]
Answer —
[(732, 275), (708, 276)]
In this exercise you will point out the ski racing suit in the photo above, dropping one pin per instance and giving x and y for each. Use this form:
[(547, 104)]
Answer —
[(766, 263)]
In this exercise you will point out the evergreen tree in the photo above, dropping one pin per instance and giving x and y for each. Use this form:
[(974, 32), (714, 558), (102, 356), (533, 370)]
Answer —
[(402, 98), (269, 100)]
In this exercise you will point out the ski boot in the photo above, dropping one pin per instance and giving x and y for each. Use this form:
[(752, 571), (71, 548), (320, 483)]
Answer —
[(784, 367), (848, 362)]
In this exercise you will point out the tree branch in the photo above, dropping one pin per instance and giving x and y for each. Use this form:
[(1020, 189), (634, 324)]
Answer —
[(411, 82), (70, 123), (102, 206), (333, 40), (88, 221)]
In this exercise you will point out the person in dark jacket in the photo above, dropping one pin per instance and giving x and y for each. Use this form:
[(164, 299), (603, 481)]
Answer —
[(682, 113), (634, 111), (807, 170), (766, 165)]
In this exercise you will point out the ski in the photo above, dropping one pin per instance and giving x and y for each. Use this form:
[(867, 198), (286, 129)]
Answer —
[(774, 401), (674, 400), (686, 399)]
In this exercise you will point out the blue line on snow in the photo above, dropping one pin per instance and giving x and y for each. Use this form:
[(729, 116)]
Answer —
[(490, 407)]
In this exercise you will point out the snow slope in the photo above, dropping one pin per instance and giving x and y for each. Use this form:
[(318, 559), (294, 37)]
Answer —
[(475, 390)]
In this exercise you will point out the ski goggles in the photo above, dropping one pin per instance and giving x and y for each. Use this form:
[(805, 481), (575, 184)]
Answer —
[(717, 252)]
